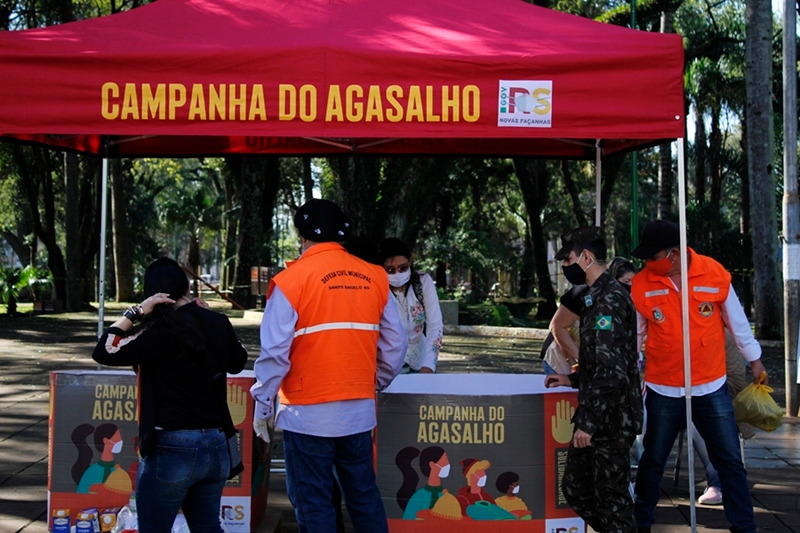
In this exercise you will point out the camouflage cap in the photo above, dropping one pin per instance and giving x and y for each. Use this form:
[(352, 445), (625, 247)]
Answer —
[(578, 235)]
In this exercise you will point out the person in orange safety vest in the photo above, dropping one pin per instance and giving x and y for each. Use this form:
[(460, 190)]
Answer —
[(713, 305), (330, 338)]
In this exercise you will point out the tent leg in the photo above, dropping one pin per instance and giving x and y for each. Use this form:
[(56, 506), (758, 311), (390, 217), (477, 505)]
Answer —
[(101, 289), (687, 363)]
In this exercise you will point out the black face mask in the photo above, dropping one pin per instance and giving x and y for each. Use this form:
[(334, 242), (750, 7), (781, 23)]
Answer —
[(626, 287), (574, 274)]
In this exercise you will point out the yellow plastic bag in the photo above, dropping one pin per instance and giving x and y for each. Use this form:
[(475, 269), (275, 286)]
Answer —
[(755, 406)]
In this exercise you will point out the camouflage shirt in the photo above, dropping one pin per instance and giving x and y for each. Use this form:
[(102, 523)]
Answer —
[(609, 390)]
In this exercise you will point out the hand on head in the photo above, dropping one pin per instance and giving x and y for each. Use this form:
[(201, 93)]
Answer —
[(157, 299)]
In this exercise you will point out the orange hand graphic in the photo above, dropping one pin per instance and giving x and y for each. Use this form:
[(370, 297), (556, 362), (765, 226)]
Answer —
[(561, 423), (237, 403)]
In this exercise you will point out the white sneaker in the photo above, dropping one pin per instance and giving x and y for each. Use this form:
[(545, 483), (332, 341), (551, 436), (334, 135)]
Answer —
[(710, 496)]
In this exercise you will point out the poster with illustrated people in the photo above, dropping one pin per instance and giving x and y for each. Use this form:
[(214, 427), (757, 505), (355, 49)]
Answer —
[(93, 441), (474, 452)]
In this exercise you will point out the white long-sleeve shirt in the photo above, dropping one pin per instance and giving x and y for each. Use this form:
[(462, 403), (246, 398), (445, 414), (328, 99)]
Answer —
[(331, 419)]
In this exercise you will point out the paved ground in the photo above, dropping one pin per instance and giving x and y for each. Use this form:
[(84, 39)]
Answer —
[(30, 347)]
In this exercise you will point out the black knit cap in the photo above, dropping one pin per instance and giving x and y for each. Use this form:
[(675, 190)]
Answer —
[(657, 235), (321, 220)]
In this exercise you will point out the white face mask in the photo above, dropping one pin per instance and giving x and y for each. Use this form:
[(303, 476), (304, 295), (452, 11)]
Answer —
[(482, 481), (445, 471), (516, 490), (117, 447), (399, 279)]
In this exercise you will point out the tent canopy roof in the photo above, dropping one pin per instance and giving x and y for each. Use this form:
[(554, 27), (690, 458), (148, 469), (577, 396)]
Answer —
[(190, 77)]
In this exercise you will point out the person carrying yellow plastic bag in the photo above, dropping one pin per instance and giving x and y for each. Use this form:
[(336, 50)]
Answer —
[(755, 405)]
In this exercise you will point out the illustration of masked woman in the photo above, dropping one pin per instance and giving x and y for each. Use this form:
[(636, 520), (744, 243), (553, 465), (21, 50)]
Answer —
[(108, 441), (434, 465)]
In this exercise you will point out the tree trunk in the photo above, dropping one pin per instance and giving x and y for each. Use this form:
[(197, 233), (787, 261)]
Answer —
[(20, 248), (715, 176), (89, 214), (533, 182), (358, 185), (763, 208), (526, 278), (231, 223), (665, 175), (699, 158), (250, 231), (308, 179), (258, 185), (665, 180), (445, 219), (72, 229), (574, 194), (611, 168), (123, 257), (36, 177)]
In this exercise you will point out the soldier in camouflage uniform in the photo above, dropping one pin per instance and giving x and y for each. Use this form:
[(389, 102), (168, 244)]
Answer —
[(609, 413)]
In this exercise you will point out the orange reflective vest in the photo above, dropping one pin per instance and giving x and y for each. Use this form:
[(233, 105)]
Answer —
[(339, 300), (657, 300)]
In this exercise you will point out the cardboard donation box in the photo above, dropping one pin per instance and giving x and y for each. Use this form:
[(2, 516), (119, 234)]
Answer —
[(93, 441), (505, 438)]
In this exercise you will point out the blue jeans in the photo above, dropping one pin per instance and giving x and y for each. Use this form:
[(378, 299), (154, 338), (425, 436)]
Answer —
[(713, 416), (310, 462), (188, 469)]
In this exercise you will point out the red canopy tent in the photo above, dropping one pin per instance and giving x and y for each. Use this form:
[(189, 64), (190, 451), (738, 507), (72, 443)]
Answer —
[(185, 77), (213, 77)]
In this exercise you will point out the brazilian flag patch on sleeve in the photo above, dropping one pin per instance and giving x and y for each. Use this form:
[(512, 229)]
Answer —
[(602, 322)]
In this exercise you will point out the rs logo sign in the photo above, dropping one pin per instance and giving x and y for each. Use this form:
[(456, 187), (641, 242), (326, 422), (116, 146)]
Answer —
[(525, 104)]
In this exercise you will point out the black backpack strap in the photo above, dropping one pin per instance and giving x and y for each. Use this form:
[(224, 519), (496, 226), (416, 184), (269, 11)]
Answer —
[(416, 284)]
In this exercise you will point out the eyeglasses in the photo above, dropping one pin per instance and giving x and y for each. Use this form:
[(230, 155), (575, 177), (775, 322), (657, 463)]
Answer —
[(400, 269)]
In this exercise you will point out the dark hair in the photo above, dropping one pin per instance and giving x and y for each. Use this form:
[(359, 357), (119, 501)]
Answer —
[(364, 248), (619, 266), (393, 246), (597, 247), (85, 454), (505, 480), (403, 461), (167, 276)]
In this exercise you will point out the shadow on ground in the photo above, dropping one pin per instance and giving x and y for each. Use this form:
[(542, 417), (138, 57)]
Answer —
[(34, 345)]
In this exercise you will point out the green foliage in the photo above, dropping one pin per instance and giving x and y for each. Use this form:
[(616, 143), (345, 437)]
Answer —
[(489, 313), (500, 316), (14, 281), (37, 281), (445, 294), (178, 201), (10, 285)]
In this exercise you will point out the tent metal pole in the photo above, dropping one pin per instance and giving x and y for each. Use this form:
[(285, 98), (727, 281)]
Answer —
[(791, 210), (687, 356), (598, 166), (101, 289)]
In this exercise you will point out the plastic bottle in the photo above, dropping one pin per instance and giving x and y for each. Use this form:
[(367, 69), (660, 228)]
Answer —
[(127, 519)]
